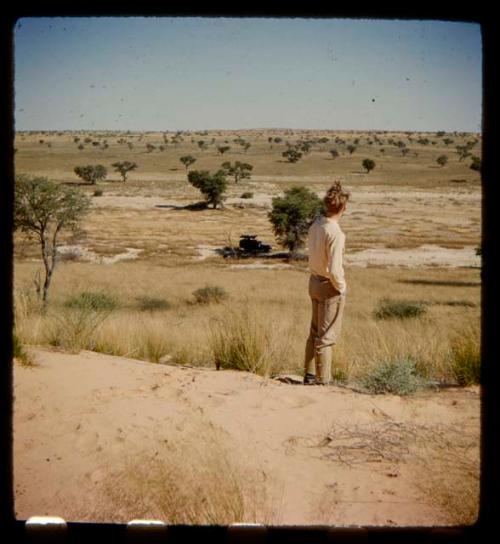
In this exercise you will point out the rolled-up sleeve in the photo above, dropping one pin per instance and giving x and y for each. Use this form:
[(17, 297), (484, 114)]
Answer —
[(335, 250)]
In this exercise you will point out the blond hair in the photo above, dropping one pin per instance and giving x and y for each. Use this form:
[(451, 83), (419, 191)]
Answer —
[(336, 198)]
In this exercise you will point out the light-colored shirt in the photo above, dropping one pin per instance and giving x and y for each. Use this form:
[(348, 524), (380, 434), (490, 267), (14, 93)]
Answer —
[(326, 243)]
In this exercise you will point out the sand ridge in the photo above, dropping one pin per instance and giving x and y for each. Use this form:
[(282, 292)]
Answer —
[(77, 415)]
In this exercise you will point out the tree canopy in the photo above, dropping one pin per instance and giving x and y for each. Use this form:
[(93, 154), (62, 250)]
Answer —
[(212, 186), (292, 215), (91, 173), (43, 208)]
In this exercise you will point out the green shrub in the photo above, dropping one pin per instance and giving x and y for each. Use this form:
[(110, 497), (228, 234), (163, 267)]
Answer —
[(388, 308), (397, 376), (151, 304), (209, 294), (466, 357), (88, 300)]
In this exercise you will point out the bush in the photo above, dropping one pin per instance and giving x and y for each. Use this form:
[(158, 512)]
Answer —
[(247, 194), (151, 304), (397, 376), (466, 357), (388, 308), (209, 294), (98, 192), (92, 301)]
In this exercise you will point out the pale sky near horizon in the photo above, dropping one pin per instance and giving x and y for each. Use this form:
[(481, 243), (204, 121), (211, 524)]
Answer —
[(203, 73)]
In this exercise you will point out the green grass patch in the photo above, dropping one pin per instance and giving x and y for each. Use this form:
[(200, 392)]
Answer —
[(388, 308), (152, 304), (88, 300)]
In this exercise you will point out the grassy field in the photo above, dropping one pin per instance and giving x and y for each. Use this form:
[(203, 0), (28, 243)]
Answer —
[(406, 202)]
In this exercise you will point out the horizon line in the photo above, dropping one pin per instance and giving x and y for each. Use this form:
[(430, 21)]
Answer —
[(247, 129)]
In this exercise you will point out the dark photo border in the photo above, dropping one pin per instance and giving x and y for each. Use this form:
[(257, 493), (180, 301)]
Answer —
[(16, 531)]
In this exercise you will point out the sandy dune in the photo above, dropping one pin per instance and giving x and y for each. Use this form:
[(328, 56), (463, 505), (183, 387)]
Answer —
[(78, 416)]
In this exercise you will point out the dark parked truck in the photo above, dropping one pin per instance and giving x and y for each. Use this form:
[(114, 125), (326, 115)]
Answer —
[(250, 244)]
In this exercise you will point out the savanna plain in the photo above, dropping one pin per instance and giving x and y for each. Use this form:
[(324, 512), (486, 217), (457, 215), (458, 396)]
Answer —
[(176, 394)]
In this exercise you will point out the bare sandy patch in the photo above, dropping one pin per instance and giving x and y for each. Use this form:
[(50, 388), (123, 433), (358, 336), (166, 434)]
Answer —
[(86, 254), (424, 256), (263, 266), (77, 416), (132, 202)]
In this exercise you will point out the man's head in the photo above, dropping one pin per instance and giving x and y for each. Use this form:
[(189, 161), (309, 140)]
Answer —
[(336, 199)]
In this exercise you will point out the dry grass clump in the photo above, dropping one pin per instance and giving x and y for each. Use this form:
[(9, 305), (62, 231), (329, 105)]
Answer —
[(273, 336), (19, 353), (210, 294), (444, 458), (74, 328), (244, 340), (466, 356), (192, 480), (448, 461)]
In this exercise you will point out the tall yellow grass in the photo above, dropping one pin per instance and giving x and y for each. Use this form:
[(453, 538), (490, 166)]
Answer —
[(192, 480), (271, 307)]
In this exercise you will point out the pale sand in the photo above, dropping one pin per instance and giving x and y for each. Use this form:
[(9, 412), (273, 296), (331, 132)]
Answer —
[(76, 417)]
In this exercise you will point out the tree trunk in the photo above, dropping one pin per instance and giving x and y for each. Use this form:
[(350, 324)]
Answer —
[(49, 253), (48, 273)]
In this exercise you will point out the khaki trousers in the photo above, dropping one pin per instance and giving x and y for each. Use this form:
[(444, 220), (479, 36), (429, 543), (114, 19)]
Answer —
[(326, 322)]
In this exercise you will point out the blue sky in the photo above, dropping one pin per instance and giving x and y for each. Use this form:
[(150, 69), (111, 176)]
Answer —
[(196, 73)]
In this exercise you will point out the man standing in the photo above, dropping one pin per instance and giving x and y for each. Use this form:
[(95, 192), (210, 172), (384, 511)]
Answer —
[(327, 286)]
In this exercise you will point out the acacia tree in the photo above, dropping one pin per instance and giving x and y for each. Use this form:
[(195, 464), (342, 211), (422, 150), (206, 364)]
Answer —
[(211, 186), (476, 163), (43, 209), (222, 149), (187, 160), (292, 215), (292, 154), (368, 164), (442, 160), (124, 167), (240, 170), (91, 173)]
